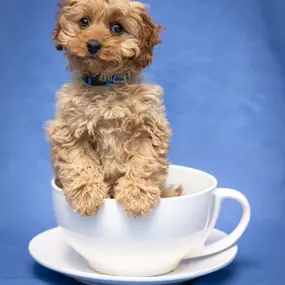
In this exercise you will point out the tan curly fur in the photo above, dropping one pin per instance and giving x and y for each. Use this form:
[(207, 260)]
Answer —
[(109, 141)]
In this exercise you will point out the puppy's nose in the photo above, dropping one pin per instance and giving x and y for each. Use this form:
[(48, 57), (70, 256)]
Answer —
[(93, 46)]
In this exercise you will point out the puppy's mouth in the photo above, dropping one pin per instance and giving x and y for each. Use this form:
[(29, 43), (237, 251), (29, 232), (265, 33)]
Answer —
[(93, 57), (97, 58)]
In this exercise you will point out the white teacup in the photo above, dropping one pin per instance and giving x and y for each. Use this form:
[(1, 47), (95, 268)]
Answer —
[(115, 244)]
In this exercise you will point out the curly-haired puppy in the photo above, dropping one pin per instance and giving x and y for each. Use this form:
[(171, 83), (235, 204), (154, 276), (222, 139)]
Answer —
[(110, 136)]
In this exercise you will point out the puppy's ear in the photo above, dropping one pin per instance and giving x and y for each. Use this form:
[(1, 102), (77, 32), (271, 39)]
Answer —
[(148, 37), (57, 28), (55, 34)]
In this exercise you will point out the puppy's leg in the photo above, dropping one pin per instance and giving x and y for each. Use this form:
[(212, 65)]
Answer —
[(172, 191), (139, 189), (79, 172)]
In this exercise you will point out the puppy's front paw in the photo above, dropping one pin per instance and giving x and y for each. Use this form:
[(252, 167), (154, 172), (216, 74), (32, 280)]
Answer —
[(138, 199), (88, 199)]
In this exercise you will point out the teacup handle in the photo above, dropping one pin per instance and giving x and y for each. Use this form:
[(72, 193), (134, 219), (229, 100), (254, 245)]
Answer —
[(228, 241)]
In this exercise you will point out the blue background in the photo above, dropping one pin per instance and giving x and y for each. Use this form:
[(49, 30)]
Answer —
[(222, 64)]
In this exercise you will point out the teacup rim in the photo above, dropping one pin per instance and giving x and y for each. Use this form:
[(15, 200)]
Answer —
[(208, 189)]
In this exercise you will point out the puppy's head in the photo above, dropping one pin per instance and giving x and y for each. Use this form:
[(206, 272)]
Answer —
[(106, 36)]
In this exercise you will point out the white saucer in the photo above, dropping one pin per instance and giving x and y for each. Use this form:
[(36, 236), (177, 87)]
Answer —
[(50, 250)]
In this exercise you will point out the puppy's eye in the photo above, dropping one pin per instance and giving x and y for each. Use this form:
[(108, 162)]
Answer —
[(117, 29), (84, 22)]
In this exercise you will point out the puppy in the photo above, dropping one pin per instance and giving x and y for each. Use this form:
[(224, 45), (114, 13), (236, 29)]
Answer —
[(110, 136)]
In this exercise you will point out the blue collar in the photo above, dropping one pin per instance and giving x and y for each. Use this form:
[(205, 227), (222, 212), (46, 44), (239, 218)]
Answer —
[(95, 81)]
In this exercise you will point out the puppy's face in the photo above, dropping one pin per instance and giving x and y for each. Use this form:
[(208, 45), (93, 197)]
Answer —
[(106, 36)]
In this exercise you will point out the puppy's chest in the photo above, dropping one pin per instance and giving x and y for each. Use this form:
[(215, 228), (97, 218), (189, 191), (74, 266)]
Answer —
[(116, 131), (115, 124)]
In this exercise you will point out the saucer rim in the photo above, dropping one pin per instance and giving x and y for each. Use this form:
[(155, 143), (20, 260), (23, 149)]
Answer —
[(78, 275)]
